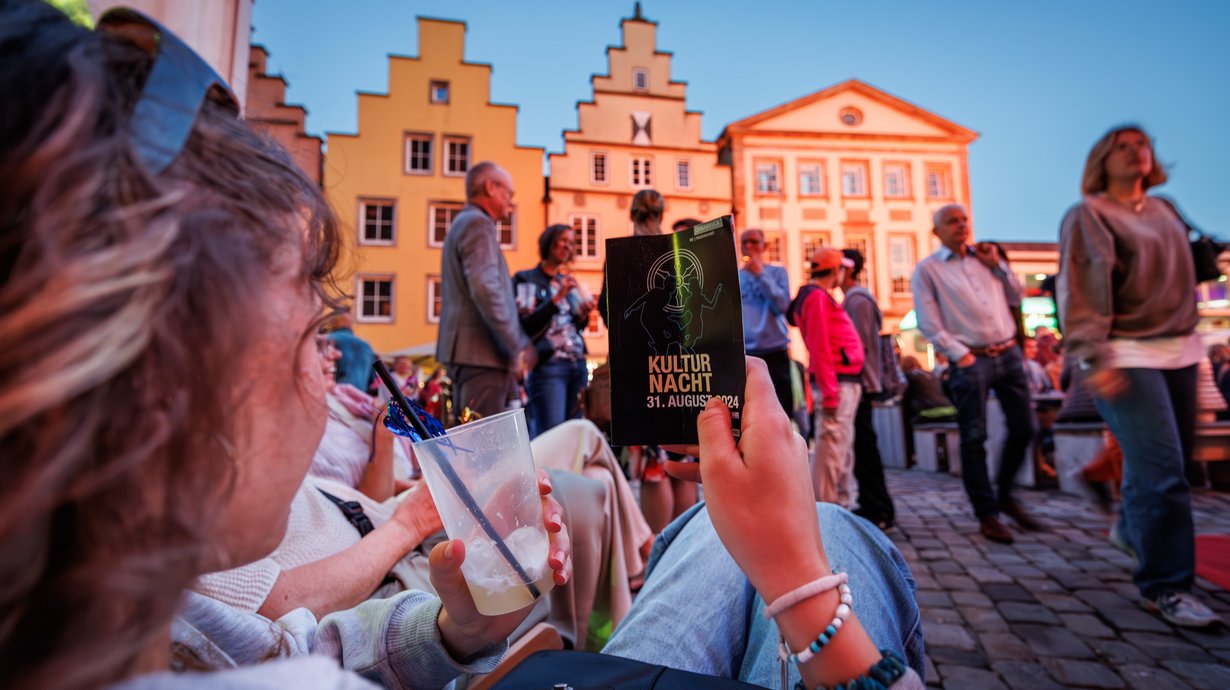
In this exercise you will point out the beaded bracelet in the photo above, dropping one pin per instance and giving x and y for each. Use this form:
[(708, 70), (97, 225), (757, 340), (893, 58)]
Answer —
[(826, 636), (888, 670)]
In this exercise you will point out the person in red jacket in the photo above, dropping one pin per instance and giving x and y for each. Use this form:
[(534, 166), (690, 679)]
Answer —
[(835, 353)]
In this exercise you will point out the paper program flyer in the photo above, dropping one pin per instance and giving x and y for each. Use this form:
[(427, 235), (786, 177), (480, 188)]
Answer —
[(676, 332)]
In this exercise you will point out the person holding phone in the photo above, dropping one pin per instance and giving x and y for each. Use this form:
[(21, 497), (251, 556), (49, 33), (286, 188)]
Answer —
[(554, 317), (963, 296)]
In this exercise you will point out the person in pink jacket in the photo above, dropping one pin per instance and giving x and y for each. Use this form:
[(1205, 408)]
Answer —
[(836, 364)]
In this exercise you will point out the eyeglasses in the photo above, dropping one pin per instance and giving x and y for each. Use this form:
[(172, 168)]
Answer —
[(174, 92)]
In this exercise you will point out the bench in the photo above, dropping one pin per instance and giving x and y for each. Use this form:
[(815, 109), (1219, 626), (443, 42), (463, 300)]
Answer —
[(937, 446), (1213, 448), (1076, 445)]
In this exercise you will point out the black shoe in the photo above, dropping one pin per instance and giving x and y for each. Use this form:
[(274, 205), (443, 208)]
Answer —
[(1014, 510), (994, 530)]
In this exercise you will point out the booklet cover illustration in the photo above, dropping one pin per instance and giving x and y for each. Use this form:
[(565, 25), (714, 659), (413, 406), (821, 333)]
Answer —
[(676, 332)]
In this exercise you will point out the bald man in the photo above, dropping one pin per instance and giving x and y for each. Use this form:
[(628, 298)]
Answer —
[(963, 297), (480, 340)]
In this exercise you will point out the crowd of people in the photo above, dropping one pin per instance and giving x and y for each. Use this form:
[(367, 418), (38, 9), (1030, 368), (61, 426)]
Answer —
[(202, 492)]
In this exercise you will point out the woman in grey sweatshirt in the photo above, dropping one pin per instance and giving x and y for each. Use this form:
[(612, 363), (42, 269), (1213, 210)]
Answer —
[(1126, 296)]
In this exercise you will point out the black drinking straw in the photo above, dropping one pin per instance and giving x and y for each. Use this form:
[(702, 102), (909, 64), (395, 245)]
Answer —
[(451, 475)]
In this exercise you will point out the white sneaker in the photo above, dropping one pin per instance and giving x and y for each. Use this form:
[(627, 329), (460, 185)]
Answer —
[(1183, 609)]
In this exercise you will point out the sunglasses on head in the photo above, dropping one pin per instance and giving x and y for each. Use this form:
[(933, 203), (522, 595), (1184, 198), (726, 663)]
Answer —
[(177, 86)]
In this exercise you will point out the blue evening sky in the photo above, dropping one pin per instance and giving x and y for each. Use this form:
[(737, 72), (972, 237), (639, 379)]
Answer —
[(1041, 80)]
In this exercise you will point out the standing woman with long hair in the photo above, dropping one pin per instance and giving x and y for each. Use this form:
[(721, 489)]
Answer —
[(1126, 296)]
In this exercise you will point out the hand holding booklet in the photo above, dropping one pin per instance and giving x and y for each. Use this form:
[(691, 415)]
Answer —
[(676, 332)]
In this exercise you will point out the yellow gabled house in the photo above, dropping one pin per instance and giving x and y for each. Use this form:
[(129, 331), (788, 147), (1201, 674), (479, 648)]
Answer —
[(398, 181)]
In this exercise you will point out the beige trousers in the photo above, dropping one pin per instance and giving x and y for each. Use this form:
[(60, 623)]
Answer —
[(832, 469)]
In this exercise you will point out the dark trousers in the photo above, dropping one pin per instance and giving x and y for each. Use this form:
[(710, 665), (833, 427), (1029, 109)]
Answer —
[(970, 386), (874, 503), (484, 390), (1155, 424), (778, 363)]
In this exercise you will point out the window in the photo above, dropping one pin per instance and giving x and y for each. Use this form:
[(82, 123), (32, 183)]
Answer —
[(598, 167), (640, 79), (642, 172), (811, 179), (863, 244), (438, 91), (773, 252), (938, 182), (593, 328), (440, 216), (768, 181), (456, 155), (435, 298), (642, 128), (683, 173), (896, 180), (854, 179), (376, 218), (418, 154), (812, 242), (504, 229), (901, 263), (585, 227), (376, 300)]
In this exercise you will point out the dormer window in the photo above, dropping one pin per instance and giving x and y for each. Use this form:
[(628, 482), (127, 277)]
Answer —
[(439, 91), (640, 79)]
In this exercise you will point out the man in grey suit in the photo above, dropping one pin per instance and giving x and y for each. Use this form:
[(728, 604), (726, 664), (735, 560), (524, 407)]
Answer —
[(481, 342)]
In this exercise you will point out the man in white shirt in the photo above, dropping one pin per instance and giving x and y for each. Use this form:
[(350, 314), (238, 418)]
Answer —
[(963, 297)]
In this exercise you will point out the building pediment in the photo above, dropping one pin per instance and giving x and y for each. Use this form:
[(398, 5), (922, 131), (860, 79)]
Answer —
[(852, 108)]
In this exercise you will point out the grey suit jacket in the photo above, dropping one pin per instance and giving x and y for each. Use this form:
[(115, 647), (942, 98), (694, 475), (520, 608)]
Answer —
[(478, 315)]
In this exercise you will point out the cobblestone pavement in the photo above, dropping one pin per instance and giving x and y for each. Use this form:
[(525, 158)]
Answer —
[(1057, 608)]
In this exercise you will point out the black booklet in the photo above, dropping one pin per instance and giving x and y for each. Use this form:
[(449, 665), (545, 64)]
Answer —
[(676, 332)]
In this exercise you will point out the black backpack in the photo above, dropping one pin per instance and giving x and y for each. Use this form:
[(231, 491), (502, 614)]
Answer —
[(588, 671)]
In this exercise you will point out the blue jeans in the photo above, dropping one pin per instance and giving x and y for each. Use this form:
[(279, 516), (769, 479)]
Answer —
[(698, 612), (1155, 423), (554, 389), (970, 386)]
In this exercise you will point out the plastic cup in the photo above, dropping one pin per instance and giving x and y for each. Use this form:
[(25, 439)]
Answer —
[(491, 458)]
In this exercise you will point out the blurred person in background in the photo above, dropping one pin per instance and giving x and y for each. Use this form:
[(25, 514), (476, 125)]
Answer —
[(874, 503), (765, 290), (554, 312)]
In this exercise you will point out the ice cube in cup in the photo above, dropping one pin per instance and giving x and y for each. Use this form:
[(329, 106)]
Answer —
[(491, 458)]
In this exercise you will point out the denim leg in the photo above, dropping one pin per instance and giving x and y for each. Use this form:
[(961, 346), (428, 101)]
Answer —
[(697, 611), (547, 386), (969, 387), (1156, 514), (1012, 389), (577, 381)]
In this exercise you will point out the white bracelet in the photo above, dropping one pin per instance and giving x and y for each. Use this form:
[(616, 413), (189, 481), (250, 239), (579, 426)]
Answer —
[(822, 640)]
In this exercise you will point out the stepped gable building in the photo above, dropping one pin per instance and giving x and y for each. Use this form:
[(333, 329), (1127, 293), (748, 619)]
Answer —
[(397, 183), (635, 133), (848, 166), (268, 112)]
